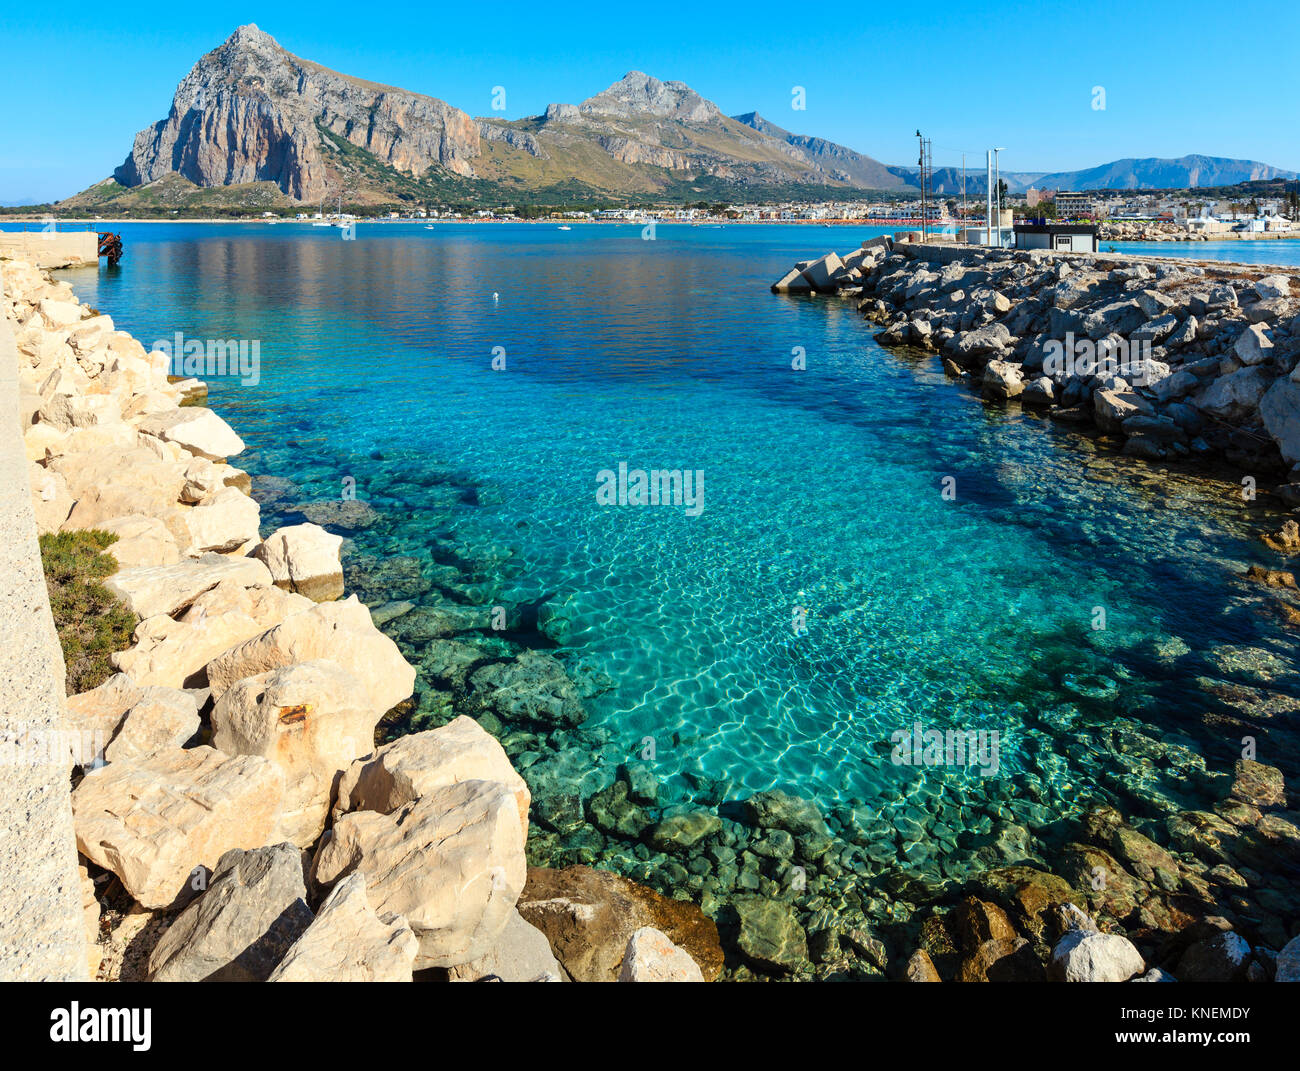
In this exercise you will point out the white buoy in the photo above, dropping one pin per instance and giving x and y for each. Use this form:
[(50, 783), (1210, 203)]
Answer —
[(496, 298)]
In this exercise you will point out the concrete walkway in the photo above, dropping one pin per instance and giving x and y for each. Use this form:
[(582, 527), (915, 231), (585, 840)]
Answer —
[(42, 933)]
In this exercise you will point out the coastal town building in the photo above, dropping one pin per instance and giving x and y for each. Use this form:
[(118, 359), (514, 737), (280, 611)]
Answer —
[(1058, 237), (1073, 205)]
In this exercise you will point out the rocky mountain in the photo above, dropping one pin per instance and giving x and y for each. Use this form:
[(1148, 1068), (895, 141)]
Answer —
[(1187, 172), (839, 161), (249, 111), (253, 124)]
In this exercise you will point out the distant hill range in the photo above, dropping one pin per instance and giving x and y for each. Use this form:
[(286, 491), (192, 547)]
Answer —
[(1187, 172), (253, 125)]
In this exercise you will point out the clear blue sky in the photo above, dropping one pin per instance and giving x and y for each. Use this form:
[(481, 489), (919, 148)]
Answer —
[(79, 80)]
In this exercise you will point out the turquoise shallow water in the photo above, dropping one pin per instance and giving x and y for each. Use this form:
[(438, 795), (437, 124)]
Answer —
[(823, 491)]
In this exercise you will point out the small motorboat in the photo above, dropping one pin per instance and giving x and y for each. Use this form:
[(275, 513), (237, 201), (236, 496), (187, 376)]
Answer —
[(566, 227)]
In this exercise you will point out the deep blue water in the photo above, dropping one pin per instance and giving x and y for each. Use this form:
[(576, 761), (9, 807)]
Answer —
[(823, 490)]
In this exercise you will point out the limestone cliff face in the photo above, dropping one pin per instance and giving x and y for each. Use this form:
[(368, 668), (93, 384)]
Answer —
[(249, 112)]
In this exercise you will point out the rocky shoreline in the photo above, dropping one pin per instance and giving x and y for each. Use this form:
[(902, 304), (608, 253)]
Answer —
[(1179, 361), (233, 815), (239, 750)]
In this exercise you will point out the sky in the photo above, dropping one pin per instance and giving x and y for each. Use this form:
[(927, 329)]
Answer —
[(80, 80)]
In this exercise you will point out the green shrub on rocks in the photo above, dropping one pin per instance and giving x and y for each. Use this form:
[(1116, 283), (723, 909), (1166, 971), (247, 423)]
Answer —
[(92, 622)]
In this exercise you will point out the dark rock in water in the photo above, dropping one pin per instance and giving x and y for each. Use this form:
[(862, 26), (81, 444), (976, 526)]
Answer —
[(1205, 835), (775, 844), (532, 688), (254, 909), (348, 515), (642, 784), (592, 682), (398, 577), (1027, 894), (867, 946), (779, 810), (1224, 957), (1285, 541), (561, 812), (612, 812), (1257, 784), (387, 612), (683, 832), (824, 946), (812, 846), (272, 490), (770, 935), (448, 661), (1272, 578), (911, 886), (1009, 959), (920, 968), (1111, 889), (589, 915), (1144, 857), (975, 922), (424, 623)]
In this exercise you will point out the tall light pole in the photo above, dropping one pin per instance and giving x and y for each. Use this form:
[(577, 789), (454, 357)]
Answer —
[(997, 178), (988, 197)]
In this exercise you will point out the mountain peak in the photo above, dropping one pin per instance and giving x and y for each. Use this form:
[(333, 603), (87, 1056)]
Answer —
[(249, 34), (638, 94)]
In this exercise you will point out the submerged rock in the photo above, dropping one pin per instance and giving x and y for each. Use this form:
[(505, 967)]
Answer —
[(779, 810), (770, 935), (531, 688)]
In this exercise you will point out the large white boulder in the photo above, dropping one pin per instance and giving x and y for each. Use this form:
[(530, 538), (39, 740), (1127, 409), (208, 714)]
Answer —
[(59, 313), (1234, 397), (153, 822), (1088, 956), (304, 558), (521, 953), (175, 651), (141, 541), (164, 589), (348, 942), (312, 720), (452, 864), (226, 521), (415, 765), (341, 632), (1253, 346), (197, 429), (163, 719), (1273, 286), (1280, 410)]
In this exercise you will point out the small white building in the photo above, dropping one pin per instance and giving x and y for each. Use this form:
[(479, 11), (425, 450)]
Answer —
[(1058, 237)]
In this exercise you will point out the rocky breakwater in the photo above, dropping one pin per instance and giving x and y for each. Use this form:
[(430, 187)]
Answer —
[(1116, 230), (1172, 360), (233, 815)]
